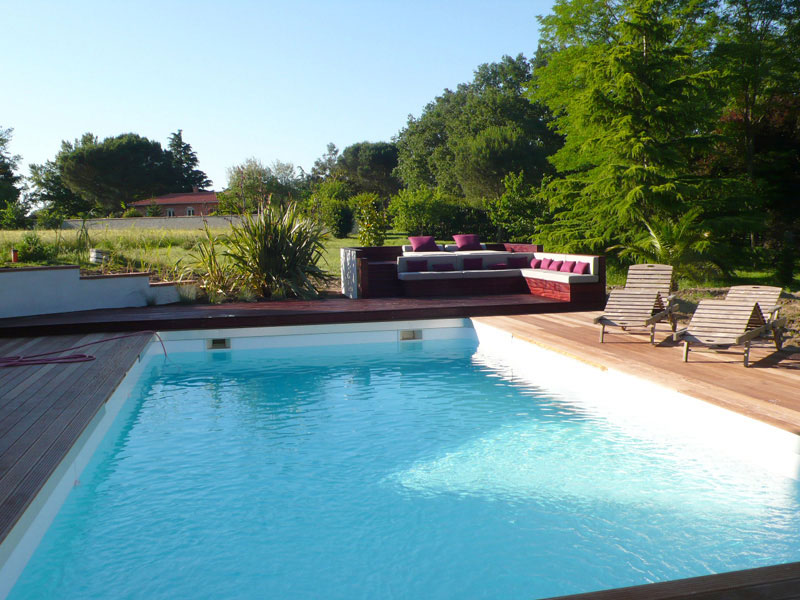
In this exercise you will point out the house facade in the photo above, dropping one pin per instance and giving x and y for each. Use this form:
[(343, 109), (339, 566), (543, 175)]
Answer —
[(184, 204)]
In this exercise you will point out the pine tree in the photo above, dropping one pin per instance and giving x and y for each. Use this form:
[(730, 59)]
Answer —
[(630, 97), (185, 162)]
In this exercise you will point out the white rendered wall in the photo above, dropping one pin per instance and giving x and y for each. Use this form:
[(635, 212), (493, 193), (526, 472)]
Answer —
[(26, 292), (349, 272)]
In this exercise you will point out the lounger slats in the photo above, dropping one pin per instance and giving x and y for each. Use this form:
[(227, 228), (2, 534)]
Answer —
[(657, 277)]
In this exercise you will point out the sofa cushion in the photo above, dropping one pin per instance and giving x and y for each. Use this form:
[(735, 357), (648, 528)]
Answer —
[(567, 266), (497, 266), (423, 243), (487, 273), (473, 264), (517, 262), (546, 262), (558, 276), (467, 241), (430, 275), (416, 265), (581, 268), (536, 263), (555, 265)]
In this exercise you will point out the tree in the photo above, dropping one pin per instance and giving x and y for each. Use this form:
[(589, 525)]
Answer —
[(49, 190), (633, 101), (118, 170), (466, 141), (10, 181), (368, 168), (184, 161), (325, 166)]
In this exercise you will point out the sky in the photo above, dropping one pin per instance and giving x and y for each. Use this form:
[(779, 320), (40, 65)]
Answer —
[(270, 80)]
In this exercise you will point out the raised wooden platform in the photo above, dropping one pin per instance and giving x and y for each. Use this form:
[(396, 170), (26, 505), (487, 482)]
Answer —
[(287, 312)]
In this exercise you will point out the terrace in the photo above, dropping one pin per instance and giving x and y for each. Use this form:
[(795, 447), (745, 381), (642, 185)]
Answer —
[(45, 408)]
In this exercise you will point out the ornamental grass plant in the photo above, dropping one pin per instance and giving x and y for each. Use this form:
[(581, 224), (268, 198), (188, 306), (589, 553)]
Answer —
[(277, 251)]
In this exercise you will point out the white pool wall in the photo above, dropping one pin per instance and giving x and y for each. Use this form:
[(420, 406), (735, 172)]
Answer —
[(640, 407)]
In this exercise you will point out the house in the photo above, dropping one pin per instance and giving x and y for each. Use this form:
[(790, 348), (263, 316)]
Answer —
[(183, 204)]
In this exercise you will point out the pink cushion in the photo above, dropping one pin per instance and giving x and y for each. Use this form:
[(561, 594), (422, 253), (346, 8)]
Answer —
[(517, 262), (467, 241), (497, 266), (473, 264), (546, 262), (555, 265), (567, 266), (443, 267), (581, 268), (423, 243), (416, 265), (536, 263)]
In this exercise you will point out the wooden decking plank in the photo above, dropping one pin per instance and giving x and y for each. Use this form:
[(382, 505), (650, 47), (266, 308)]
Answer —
[(26, 469)]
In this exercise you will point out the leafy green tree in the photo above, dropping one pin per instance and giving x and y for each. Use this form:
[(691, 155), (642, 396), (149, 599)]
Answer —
[(10, 181), (154, 210), (372, 219), (325, 166), (633, 101), (117, 171), (49, 190), (184, 161), (517, 210), (253, 185), (330, 204), (467, 140), (368, 168)]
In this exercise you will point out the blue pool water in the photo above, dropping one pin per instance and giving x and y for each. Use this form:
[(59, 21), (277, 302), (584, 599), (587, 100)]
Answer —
[(392, 471)]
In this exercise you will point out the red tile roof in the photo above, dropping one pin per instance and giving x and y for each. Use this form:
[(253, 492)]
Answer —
[(180, 198)]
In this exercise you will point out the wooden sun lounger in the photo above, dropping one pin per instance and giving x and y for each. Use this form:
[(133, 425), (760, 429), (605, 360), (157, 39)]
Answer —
[(767, 298), (724, 323), (645, 301)]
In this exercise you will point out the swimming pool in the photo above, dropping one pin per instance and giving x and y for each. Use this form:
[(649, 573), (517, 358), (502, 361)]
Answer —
[(358, 465)]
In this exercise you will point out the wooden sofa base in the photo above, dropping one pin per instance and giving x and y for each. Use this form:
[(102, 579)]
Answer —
[(589, 296), (464, 287)]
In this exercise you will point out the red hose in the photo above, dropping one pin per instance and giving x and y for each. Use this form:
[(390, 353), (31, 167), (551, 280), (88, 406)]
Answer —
[(38, 359)]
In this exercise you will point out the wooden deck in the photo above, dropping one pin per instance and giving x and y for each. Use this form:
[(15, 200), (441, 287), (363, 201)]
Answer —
[(287, 312), (45, 408), (768, 390)]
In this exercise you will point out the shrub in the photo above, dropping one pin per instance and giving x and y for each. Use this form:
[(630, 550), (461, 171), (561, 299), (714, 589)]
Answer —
[(218, 278), (154, 210), (130, 212), (33, 249), (426, 211), (277, 252), (372, 219), (337, 216)]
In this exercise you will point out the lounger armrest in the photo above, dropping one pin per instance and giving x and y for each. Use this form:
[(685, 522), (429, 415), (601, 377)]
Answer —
[(772, 311), (679, 334), (597, 319), (671, 297)]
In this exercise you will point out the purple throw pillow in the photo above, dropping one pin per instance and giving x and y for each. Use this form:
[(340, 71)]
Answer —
[(497, 266), (567, 266), (536, 263), (517, 262), (473, 264), (416, 265), (467, 241), (581, 268), (423, 243), (443, 267), (555, 265), (546, 262)]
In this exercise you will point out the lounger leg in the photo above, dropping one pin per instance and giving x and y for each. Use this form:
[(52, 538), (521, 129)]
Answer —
[(673, 321), (778, 333), (602, 332), (685, 351), (653, 334), (747, 353)]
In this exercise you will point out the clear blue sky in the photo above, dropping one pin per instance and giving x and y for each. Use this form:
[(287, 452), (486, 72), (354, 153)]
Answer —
[(273, 80)]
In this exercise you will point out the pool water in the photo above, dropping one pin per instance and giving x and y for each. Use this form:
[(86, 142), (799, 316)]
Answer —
[(410, 470)]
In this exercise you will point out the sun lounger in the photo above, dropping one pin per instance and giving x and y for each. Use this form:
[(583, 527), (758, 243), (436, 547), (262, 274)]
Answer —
[(725, 323), (645, 301), (767, 298)]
